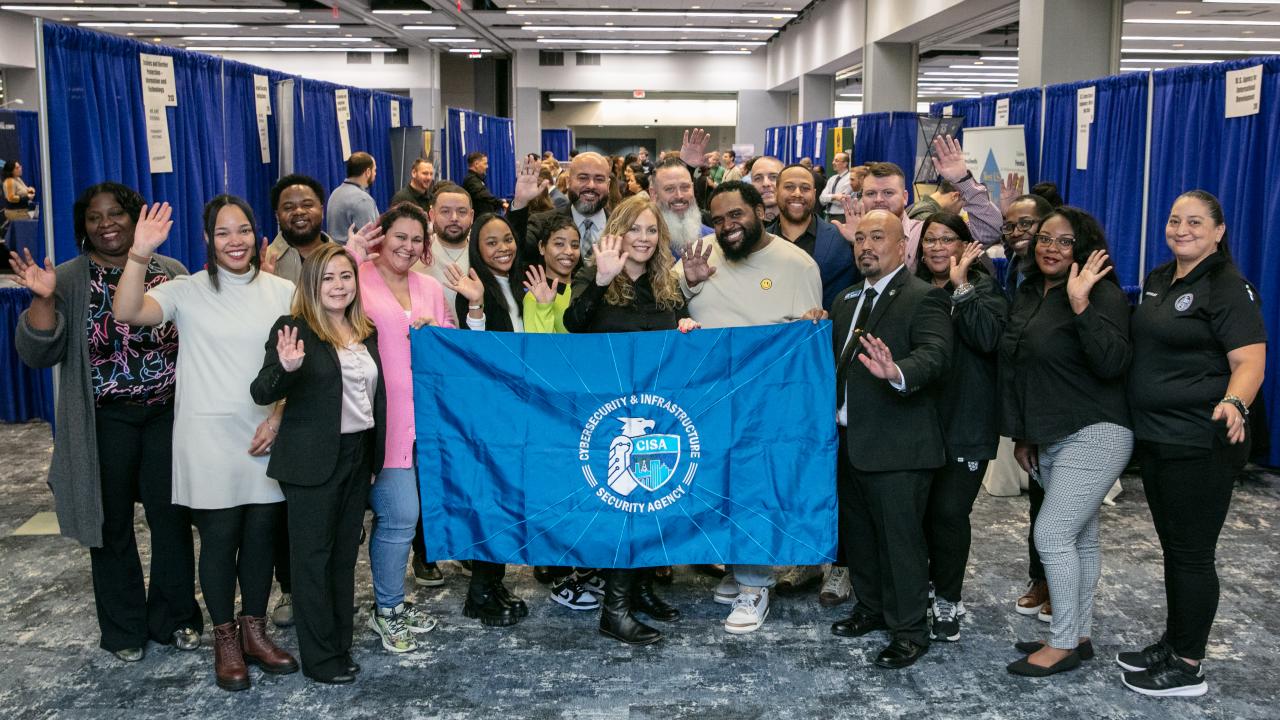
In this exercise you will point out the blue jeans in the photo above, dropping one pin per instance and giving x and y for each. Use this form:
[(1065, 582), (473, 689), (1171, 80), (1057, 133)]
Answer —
[(753, 575), (394, 498)]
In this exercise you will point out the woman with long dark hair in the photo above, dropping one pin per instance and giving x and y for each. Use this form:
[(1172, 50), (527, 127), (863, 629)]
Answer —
[(1199, 356), (221, 436), (115, 425), (1063, 360)]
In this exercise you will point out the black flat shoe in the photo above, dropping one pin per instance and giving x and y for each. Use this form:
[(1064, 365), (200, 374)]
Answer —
[(645, 600), (353, 667), (857, 625), (1084, 649), (339, 679), (1024, 667), (900, 653)]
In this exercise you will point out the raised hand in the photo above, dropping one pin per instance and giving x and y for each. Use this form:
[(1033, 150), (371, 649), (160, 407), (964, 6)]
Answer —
[(609, 259), (852, 216), (948, 158), (1010, 189), (363, 243), (467, 284), (535, 281), (1229, 414), (266, 258), (152, 228), (41, 281), (687, 325), (960, 269), (879, 359), (289, 348), (1081, 280), (693, 148), (696, 267), (527, 185)]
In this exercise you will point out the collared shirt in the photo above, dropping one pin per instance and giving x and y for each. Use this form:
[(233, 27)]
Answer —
[(597, 229), (836, 185), (359, 383), (288, 259), (842, 415), (807, 240)]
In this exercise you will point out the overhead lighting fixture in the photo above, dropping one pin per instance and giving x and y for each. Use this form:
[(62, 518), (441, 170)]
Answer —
[(267, 38), (630, 52), (576, 41), (246, 49), (655, 13), (578, 99), (441, 28), (162, 25), (207, 10), (627, 28), (1199, 21), (1177, 38), (402, 12), (1000, 58), (1182, 61), (1181, 12), (447, 41), (970, 74), (857, 95), (470, 51), (727, 52), (312, 26), (1158, 51), (981, 67)]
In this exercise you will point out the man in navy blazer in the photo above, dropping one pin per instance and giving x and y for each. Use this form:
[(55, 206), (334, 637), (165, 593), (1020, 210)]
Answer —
[(797, 197)]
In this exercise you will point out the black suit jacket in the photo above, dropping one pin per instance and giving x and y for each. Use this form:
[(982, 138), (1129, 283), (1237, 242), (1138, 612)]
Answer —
[(533, 229), (891, 430), (306, 447), (482, 201)]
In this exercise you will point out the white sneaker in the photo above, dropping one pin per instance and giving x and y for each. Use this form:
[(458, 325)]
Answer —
[(750, 609), (727, 591), (837, 588)]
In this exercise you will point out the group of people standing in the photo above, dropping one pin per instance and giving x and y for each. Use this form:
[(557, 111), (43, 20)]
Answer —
[(267, 399)]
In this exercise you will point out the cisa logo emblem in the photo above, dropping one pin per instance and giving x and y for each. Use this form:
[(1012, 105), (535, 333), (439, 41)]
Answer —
[(639, 453)]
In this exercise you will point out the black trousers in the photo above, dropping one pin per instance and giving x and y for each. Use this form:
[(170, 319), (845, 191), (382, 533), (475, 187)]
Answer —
[(236, 547), (1035, 568), (483, 575), (324, 540), (280, 555), (135, 462), (1189, 492), (882, 528), (951, 494)]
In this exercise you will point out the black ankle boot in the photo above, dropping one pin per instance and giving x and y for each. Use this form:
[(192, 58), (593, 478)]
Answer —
[(484, 602), (616, 620), (511, 600), (645, 600)]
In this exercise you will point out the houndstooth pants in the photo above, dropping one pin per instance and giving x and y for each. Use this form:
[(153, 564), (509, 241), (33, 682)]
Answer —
[(1076, 472)]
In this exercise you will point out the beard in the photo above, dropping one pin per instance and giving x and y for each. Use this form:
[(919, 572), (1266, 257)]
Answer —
[(685, 231), (584, 207), (751, 235), (443, 233), (299, 239)]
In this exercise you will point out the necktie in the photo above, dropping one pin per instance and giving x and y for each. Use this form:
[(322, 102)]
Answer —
[(851, 347), (588, 237)]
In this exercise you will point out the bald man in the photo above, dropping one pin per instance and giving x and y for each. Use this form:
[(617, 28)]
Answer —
[(892, 340), (588, 189)]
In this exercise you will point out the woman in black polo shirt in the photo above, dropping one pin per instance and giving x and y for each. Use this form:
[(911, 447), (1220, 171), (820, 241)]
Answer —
[(1199, 357), (1063, 360)]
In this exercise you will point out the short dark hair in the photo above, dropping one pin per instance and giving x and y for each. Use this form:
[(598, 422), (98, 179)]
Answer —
[(474, 156), (885, 169), (1048, 191), (558, 223), (796, 165), (358, 164), (295, 179), (945, 187), (421, 161), (10, 166), (445, 187), (732, 155), (1043, 208), (211, 210), (1089, 237), (750, 195), (128, 198), (405, 210), (642, 178), (1215, 213)]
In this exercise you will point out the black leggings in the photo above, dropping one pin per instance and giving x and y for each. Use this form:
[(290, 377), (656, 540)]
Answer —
[(236, 544), (946, 524), (1189, 492)]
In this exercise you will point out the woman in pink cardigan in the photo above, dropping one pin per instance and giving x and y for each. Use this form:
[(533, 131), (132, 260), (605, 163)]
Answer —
[(397, 300)]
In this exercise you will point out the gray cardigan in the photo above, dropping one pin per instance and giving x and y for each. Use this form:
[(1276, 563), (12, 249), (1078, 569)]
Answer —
[(73, 471)]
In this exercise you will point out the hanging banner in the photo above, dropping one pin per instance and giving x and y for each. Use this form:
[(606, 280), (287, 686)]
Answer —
[(262, 102), (948, 110), (395, 113), (1244, 92), (342, 101), (159, 149), (991, 153), (1002, 112), (1085, 98), (159, 92)]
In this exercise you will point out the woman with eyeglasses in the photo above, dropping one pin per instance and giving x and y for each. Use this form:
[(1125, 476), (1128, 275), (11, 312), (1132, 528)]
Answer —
[(1063, 359), (1200, 352)]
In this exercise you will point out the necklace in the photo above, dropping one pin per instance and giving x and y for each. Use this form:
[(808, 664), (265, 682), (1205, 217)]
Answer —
[(452, 257)]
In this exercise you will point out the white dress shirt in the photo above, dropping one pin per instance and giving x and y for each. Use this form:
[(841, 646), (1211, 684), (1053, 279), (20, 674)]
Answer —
[(842, 415)]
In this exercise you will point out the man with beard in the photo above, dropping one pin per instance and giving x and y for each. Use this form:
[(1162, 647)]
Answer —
[(797, 196), (482, 200), (885, 188), (418, 191), (672, 189), (451, 218), (892, 339), (746, 276), (763, 172), (300, 215), (588, 190)]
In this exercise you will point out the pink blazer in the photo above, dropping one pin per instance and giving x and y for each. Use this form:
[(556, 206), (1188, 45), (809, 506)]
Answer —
[(426, 298)]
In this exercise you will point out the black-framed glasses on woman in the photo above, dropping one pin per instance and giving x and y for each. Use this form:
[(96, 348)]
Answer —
[(1064, 242)]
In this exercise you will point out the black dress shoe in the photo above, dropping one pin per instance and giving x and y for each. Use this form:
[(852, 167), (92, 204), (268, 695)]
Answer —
[(900, 653), (857, 625), (353, 667), (489, 609), (1024, 667), (645, 600), (1085, 649), (343, 678), (512, 601)]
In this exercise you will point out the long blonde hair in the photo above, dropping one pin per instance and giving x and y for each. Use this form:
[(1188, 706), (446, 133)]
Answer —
[(307, 306), (660, 268)]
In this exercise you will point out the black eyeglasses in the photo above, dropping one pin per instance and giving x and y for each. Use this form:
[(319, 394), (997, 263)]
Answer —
[(1024, 225), (1062, 241)]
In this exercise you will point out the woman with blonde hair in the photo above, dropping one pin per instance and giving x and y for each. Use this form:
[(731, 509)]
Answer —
[(323, 359)]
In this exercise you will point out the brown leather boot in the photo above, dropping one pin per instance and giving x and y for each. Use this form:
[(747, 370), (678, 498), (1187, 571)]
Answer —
[(228, 660), (259, 650)]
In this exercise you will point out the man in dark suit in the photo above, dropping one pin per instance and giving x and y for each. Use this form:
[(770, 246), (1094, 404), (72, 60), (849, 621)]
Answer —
[(482, 200), (589, 180), (892, 337), (797, 197)]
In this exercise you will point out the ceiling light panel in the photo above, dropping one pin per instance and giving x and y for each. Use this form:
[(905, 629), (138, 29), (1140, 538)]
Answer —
[(203, 10)]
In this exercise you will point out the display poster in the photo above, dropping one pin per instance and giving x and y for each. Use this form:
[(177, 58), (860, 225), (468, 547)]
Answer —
[(991, 153), (1244, 92)]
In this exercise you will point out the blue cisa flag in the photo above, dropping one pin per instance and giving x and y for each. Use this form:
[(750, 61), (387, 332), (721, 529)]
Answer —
[(627, 450)]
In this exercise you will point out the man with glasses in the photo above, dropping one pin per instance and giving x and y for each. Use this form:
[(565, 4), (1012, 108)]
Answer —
[(1021, 220)]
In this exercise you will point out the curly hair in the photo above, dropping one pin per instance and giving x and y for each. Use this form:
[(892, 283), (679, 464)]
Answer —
[(661, 266)]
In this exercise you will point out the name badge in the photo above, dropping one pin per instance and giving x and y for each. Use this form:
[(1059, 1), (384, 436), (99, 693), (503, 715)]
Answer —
[(852, 294)]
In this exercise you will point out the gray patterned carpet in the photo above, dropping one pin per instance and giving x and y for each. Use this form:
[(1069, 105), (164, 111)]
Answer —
[(554, 665)]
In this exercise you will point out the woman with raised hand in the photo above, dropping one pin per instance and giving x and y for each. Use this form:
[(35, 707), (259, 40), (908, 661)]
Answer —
[(115, 425), (323, 359), (1199, 355), (548, 286), (397, 300), (1063, 360), (967, 405), (221, 437), (628, 286)]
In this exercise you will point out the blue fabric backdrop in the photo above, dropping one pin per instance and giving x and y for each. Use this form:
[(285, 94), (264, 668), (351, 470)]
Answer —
[(559, 141), (887, 137), (1193, 145), (246, 175), (1111, 188), (467, 132), (25, 393)]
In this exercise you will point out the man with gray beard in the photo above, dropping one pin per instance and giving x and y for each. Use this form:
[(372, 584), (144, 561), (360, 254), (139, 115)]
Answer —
[(672, 190)]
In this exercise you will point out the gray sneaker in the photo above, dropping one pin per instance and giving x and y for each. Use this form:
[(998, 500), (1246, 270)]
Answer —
[(282, 615), (186, 639), (417, 620), (391, 627), (837, 588)]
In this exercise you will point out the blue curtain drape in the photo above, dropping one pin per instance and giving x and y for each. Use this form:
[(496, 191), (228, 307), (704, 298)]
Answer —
[(1111, 188), (887, 137), (1237, 159), (559, 141), (317, 146), (247, 175), (467, 132), (25, 393)]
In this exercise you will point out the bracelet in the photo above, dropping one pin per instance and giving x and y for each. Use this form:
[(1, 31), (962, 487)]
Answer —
[(139, 259), (1237, 402), (961, 291), (475, 307)]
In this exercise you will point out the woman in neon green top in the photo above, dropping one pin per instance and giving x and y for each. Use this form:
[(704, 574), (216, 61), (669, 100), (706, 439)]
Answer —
[(548, 285)]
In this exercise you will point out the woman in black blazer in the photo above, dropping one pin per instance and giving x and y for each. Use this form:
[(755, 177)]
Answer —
[(330, 440)]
